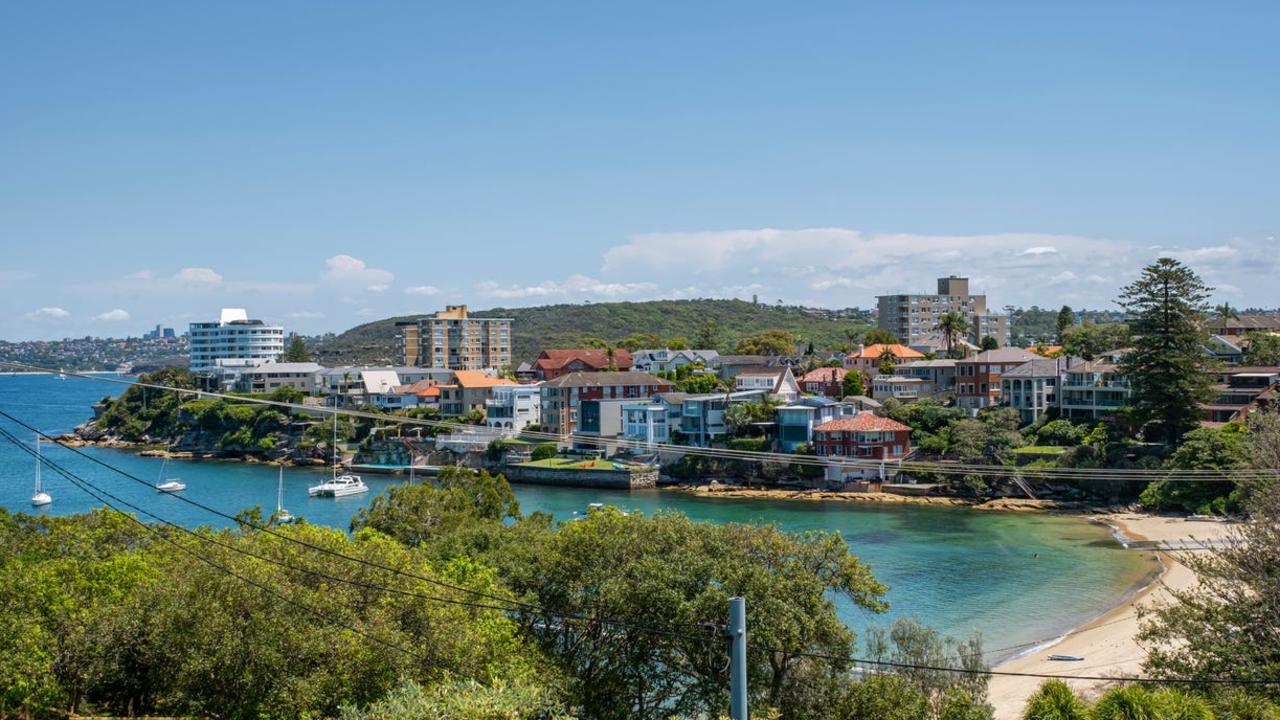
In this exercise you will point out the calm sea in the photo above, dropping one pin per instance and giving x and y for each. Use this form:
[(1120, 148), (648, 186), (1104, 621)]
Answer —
[(1013, 577)]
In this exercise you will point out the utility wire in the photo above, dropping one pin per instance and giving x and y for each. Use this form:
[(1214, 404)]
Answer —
[(324, 615), (932, 467), (267, 529)]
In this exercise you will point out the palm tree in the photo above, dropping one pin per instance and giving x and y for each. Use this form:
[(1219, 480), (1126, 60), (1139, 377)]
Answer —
[(888, 360), (1225, 312), (951, 325)]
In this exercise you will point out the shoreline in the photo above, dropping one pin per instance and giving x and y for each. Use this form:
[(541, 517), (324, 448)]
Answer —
[(1006, 504), (1108, 642)]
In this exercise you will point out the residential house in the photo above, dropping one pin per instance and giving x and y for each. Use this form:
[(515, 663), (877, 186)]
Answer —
[(423, 393), (647, 422), (797, 420), (1243, 325), (867, 358), (1033, 387), (358, 385), (936, 343), (410, 374), (1093, 390), (468, 392), (265, 378), (778, 382), (666, 360), (826, 381), (553, 363), (525, 373), (1228, 350), (599, 424), (562, 395), (898, 387), (513, 407), (1239, 390), (978, 377), (865, 436), (728, 366), (939, 376), (702, 415)]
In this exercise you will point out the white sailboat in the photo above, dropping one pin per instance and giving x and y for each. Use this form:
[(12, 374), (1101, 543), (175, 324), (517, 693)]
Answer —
[(339, 485), (169, 485), (283, 516), (40, 498)]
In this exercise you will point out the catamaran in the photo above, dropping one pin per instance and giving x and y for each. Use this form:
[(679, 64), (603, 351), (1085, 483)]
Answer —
[(170, 485), (40, 497), (282, 516), (339, 485)]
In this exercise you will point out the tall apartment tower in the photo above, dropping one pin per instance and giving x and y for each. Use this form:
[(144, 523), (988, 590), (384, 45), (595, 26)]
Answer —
[(912, 317), (451, 339), (234, 337)]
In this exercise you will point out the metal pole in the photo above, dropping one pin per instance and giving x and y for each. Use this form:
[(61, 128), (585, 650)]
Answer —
[(738, 658)]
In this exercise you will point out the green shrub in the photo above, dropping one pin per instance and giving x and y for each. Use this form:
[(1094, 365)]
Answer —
[(1128, 702), (543, 451), (959, 704), (1055, 701), (1239, 705), (759, 444), (884, 697), (1180, 705)]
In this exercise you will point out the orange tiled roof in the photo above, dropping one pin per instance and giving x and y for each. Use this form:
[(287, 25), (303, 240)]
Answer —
[(862, 422), (477, 379), (901, 352)]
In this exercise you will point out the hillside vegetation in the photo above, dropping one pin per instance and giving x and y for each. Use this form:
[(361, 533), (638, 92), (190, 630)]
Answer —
[(534, 328)]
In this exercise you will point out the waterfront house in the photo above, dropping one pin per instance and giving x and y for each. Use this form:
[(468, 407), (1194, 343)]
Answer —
[(468, 392), (868, 358), (827, 381), (562, 395), (978, 377), (797, 420), (648, 422), (666, 360), (1033, 387), (552, 363), (513, 407), (777, 382), (865, 436), (1093, 390), (264, 378), (702, 415)]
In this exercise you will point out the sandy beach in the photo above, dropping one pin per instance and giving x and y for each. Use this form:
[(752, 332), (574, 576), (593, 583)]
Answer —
[(1107, 643)]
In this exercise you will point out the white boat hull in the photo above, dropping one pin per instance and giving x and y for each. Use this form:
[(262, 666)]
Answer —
[(170, 487), (342, 486), (40, 499)]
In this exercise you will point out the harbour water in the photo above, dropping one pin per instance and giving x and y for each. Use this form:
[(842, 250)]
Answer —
[(1014, 577)]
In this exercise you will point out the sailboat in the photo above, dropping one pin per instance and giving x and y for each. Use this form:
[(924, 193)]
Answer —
[(172, 484), (282, 516), (40, 498), (339, 485)]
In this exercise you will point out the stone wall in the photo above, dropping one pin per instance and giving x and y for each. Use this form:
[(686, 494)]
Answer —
[(603, 479)]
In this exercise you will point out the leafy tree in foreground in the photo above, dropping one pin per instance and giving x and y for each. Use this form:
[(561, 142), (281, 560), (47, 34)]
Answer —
[(1166, 367), (415, 514), (1264, 349), (1229, 624)]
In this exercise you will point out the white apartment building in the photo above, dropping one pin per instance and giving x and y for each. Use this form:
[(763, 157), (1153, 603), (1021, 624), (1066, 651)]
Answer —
[(234, 337)]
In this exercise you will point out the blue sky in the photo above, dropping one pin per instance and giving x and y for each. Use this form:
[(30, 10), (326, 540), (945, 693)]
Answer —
[(323, 164)]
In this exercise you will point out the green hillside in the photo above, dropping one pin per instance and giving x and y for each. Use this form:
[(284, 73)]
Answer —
[(535, 328)]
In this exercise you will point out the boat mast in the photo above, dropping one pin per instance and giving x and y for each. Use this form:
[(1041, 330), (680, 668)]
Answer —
[(280, 491), (335, 437), (38, 464)]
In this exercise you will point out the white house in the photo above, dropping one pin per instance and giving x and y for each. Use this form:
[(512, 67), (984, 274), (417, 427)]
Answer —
[(233, 336), (778, 382), (514, 407), (664, 360)]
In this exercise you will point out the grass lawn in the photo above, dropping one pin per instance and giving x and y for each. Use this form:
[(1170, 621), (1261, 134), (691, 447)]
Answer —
[(1041, 450), (559, 463)]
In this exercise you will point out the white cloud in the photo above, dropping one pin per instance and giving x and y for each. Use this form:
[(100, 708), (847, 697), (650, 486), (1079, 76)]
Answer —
[(117, 315), (1040, 250), (350, 270), (1065, 276), (47, 313), (365, 312), (576, 286), (140, 275), (424, 290), (194, 277), (306, 315), (381, 287)]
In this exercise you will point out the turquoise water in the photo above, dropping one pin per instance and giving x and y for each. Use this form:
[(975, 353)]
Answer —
[(1013, 577)]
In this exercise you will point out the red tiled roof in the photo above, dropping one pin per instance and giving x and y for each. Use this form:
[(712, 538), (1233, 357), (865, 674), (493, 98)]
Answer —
[(477, 379), (862, 422), (825, 374), (591, 357)]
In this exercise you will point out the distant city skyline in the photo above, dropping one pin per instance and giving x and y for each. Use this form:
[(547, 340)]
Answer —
[(326, 167)]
